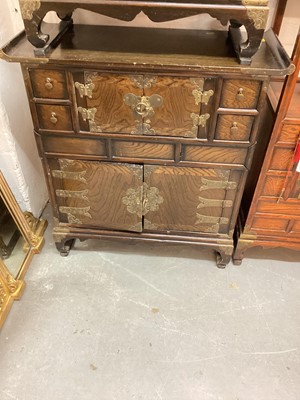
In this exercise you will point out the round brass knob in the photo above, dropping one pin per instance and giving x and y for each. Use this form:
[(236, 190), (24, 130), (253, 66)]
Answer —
[(49, 84), (54, 118), (240, 94)]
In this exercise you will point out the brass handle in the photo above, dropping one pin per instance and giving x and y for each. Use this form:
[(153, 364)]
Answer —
[(142, 108), (48, 84), (234, 128), (240, 94), (54, 118)]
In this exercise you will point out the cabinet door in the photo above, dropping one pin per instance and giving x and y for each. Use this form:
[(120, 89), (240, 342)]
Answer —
[(189, 199), (144, 104), (98, 194)]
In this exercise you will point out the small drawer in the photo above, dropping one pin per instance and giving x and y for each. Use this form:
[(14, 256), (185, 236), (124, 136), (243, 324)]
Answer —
[(289, 133), (239, 93), (216, 155), (48, 83), (270, 224), (75, 146), (234, 127), (143, 150), (54, 118)]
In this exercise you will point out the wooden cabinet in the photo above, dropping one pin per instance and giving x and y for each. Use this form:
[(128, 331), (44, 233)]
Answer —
[(146, 144), (273, 217)]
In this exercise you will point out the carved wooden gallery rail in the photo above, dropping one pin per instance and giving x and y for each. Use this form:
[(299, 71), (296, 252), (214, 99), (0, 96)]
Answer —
[(252, 14)]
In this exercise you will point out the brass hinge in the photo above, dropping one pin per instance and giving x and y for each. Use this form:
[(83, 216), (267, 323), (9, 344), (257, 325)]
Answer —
[(76, 176), (85, 89), (73, 212), (80, 194), (88, 114), (200, 95), (212, 184), (206, 202), (198, 120)]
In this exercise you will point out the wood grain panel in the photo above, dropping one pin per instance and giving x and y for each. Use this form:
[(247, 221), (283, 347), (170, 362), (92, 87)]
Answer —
[(234, 127), (281, 159), (273, 186), (173, 117), (104, 186), (42, 80), (143, 150), (289, 133), (183, 191), (227, 155), (62, 113), (63, 145), (268, 224), (112, 115), (296, 227), (250, 91), (283, 208)]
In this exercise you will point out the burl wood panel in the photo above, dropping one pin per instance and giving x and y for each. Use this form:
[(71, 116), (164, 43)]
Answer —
[(173, 117), (76, 146), (112, 115), (186, 198), (142, 150), (48, 83), (54, 117), (226, 155), (234, 127), (248, 89), (102, 187)]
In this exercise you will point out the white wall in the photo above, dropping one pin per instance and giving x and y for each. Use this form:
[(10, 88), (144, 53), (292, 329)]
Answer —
[(19, 160)]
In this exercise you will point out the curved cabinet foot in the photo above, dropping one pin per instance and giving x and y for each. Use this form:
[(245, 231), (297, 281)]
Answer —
[(223, 257), (64, 246)]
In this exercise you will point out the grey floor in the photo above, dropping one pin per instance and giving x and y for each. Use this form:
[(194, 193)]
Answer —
[(146, 322)]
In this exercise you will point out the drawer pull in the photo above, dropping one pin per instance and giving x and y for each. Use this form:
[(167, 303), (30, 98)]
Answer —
[(234, 129), (240, 94), (49, 84), (53, 118)]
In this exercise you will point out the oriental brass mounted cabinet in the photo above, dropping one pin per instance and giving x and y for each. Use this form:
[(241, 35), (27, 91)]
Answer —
[(146, 134)]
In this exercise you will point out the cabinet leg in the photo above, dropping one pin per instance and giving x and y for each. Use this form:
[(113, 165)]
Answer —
[(239, 253), (223, 258), (64, 246)]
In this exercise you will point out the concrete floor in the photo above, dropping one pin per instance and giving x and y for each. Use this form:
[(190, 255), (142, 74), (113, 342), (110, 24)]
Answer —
[(146, 322)]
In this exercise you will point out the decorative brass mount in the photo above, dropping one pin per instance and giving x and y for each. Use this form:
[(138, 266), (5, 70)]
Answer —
[(206, 202), (142, 199), (198, 120), (143, 81), (88, 114), (212, 184), (28, 7), (143, 106), (72, 213), (199, 94), (85, 89)]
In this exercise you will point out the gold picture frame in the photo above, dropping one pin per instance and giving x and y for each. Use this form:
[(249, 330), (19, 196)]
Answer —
[(31, 229)]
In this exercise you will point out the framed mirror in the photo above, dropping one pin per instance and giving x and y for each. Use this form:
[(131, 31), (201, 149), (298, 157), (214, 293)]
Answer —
[(21, 236)]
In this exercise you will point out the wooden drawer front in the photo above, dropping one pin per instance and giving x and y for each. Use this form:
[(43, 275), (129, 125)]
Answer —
[(239, 93), (234, 127), (225, 155), (273, 186), (142, 150), (75, 146), (283, 208), (206, 207), (91, 193), (289, 134), (144, 104), (48, 83), (282, 159), (54, 118), (270, 224), (296, 228)]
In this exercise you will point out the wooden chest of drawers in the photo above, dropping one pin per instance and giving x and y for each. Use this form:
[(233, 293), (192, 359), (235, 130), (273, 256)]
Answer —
[(144, 144), (273, 217)]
